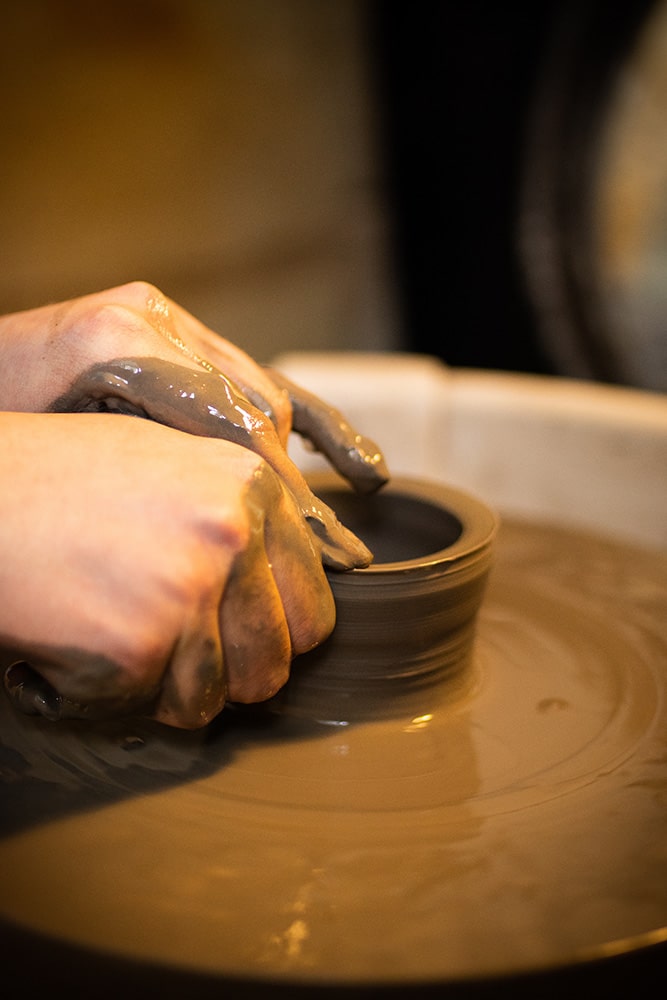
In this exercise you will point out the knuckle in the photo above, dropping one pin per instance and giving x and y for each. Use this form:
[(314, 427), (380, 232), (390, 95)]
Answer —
[(142, 658), (141, 290), (107, 325), (98, 330)]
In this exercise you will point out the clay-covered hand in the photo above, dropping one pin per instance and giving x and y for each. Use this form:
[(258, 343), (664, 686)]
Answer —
[(144, 570), (132, 350)]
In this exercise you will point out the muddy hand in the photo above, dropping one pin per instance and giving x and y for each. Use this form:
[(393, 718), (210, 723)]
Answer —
[(208, 404), (356, 457)]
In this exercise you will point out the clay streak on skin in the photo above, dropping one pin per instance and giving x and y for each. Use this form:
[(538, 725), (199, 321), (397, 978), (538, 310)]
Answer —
[(356, 457), (210, 405)]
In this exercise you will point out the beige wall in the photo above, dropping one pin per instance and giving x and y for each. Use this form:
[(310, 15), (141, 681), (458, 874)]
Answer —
[(223, 150)]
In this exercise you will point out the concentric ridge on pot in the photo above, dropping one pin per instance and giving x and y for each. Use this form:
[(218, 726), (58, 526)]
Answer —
[(405, 624)]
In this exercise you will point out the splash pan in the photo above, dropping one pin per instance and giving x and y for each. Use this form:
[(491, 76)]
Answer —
[(510, 824)]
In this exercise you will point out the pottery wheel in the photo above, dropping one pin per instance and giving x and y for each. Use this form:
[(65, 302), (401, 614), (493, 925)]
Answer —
[(517, 825)]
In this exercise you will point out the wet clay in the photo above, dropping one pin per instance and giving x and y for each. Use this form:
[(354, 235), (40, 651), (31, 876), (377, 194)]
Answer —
[(405, 623), (512, 823), (207, 403), (357, 458)]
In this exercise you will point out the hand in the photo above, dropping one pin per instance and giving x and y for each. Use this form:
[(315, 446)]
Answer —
[(45, 350), (131, 350), (156, 571)]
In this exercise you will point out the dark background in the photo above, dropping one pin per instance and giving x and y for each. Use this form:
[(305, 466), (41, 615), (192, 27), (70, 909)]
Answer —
[(468, 92)]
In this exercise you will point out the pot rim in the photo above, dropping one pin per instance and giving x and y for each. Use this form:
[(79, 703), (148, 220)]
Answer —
[(479, 522)]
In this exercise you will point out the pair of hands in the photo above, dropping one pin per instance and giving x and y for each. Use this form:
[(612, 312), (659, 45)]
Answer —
[(161, 565)]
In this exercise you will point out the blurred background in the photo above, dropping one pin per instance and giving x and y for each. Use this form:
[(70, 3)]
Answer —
[(479, 181)]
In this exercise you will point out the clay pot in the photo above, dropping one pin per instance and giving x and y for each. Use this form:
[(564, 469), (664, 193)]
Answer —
[(406, 623)]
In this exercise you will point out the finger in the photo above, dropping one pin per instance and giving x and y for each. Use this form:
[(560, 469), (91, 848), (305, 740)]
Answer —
[(256, 638), (193, 688), (200, 402), (357, 458), (297, 570)]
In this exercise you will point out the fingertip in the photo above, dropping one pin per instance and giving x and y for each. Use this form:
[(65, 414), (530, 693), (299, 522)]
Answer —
[(190, 714), (260, 684), (190, 719), (193, 689), (258, 650), (312, 615)]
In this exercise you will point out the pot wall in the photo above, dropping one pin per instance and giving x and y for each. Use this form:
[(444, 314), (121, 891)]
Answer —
[(574, 452)]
